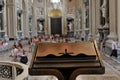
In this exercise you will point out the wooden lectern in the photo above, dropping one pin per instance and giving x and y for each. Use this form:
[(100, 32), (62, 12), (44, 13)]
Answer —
[(66, 60)]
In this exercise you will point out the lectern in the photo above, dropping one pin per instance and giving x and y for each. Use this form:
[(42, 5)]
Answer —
[(66, 60)]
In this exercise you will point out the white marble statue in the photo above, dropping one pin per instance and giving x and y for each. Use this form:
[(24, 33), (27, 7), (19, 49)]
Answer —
[(40, 27), (103, 8), (70, 26)]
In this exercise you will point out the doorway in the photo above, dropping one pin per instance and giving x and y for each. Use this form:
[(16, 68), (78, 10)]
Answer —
[(56, 26)]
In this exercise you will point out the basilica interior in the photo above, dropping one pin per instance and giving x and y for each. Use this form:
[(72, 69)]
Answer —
[(80, 23)]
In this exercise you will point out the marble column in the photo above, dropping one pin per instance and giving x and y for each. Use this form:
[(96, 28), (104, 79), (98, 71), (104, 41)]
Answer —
[(97, 13), (46, 17), (64, 14), (34, 21), (25, 19), (93, 17), (90, 16), (118, 19), (97, 20), (83, 19), (5, 24), (10, 18), (113, 19)]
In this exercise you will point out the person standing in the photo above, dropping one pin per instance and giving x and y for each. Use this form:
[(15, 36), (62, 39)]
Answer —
[(22, 55), (103, 45), (14, 53), (29, 43), (114, 49), (33, 44)]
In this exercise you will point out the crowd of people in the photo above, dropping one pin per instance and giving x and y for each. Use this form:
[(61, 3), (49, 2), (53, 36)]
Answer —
[(58, 38), (3, 45), (19, 54)]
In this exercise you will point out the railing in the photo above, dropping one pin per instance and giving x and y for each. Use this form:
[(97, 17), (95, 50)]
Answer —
[(13, 71)]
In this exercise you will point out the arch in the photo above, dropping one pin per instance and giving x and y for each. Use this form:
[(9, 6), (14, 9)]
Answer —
[(55, 13)]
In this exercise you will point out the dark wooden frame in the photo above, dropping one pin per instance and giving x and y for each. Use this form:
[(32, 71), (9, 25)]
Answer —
[(67, 69)]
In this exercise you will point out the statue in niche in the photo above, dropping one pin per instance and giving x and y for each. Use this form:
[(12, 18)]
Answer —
[(70, 26), (41, 11), (104, 9), (40, 27)]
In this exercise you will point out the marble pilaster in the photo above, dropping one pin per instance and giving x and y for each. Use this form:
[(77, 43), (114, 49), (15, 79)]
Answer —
[(92, 17), (118, 19), (113, 19), (10, 19), (34, 27), (97, 15), (83, 19), (25, 20)]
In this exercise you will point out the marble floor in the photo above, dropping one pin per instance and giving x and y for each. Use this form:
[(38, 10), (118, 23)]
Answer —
[(112, 67)]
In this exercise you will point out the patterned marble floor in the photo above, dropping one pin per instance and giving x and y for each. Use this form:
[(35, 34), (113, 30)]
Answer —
[(112, 67)]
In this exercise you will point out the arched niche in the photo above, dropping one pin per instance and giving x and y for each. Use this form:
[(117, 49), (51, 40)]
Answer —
[(70, 26), (41, 26)]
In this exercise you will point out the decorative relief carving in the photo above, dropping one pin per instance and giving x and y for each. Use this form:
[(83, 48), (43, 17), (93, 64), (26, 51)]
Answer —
[(6, 72), (18, 71), (40, 11)]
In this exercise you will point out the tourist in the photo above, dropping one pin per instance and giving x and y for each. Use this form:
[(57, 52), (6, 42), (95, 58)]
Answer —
[(29, 43), (14, 53), (33, 44), (114, 48), (102, 46), (1, 43), (21, 55)]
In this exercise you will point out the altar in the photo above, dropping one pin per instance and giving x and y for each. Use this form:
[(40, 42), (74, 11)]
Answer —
[(66, 60)]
